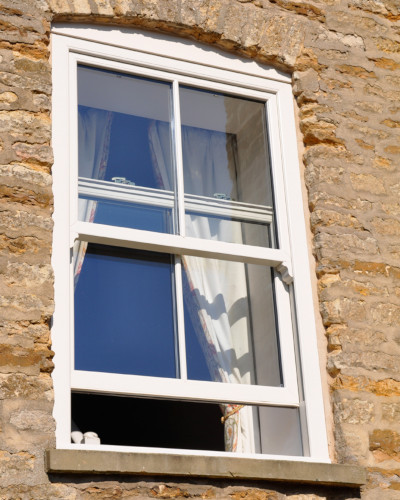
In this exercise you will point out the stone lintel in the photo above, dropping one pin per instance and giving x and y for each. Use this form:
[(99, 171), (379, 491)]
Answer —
[(154, 464)]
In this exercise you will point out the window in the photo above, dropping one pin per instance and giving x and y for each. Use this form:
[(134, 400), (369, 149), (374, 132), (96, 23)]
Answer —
[(183, 315)]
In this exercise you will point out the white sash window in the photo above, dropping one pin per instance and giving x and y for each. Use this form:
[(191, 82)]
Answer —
[(183, 315)]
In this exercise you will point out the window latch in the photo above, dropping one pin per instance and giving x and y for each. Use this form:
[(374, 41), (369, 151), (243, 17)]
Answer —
[(73, 236), (221, 196), (285, 269), (123, 180)]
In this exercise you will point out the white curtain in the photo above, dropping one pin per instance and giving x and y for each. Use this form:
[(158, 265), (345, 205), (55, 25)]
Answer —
[(94, 129), (215, 290)]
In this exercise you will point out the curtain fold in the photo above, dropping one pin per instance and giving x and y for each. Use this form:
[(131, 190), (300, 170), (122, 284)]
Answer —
[(94, 131), (215, 291)]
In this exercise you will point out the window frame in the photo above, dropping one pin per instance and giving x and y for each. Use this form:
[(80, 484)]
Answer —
[(172, 59)]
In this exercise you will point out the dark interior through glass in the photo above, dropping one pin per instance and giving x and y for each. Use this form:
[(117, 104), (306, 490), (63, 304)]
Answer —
[(150, 422), (130, 155), (124, 312), (124, 315), (187, 425)]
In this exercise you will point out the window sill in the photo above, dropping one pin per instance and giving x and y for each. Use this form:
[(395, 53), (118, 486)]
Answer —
[(152, 464)]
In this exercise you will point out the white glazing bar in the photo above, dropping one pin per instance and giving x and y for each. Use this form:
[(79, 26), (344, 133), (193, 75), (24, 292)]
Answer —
[(227, 208), (178, 157), (170, 243), (180, 318), (222, 80), (73, 172), (61, 251), (119, 192), (194, 390), (112, 191), (71, 292), (73, 137), (285, 329)]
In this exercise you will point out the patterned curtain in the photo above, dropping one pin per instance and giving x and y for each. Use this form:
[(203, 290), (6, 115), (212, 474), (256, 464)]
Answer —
[(94, 130)]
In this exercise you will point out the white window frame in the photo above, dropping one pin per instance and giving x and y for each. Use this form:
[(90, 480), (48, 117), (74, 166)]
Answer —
[(180, 61)]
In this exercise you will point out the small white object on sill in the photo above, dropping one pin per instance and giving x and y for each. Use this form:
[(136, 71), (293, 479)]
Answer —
[(78, 437), (90, 438)]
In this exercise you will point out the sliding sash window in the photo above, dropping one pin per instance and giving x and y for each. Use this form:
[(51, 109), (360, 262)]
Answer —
[(180, 250)]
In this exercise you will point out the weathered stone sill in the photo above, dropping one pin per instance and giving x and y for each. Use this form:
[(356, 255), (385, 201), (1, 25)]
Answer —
[(152, 464)]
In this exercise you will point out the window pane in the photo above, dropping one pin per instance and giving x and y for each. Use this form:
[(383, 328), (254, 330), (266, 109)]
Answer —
[(132, 421), (225, 154), (280, 431), (124, 214), (124, 311), (124, 139), (231, 333), (227, 229)]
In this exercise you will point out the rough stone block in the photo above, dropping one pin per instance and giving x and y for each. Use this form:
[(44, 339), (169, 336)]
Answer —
[(386, 314), (391, 412), (385, 444), (367, 182), (354, 411), (335, 245)]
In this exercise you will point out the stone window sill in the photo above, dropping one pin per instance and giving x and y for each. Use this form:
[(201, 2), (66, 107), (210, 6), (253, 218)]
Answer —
[(153, 464)]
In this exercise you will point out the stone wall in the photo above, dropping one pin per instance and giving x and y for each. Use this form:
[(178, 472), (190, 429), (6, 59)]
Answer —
[(344, 56)]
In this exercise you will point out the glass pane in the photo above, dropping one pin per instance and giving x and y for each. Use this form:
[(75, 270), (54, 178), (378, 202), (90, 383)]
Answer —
[(189, 425), (225, 148), (280, 431), (124, 311), (124, 139), (225, 154), (125, 214), (227, 229), (231, 333)]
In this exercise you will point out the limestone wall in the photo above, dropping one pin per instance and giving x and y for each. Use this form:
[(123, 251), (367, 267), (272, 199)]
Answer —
[(344, 56)]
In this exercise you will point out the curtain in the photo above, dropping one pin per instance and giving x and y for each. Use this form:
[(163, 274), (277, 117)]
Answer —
[(94, 130), (215, 291)]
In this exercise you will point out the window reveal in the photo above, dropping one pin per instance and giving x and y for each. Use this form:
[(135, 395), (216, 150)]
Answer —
[(182, 285)]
